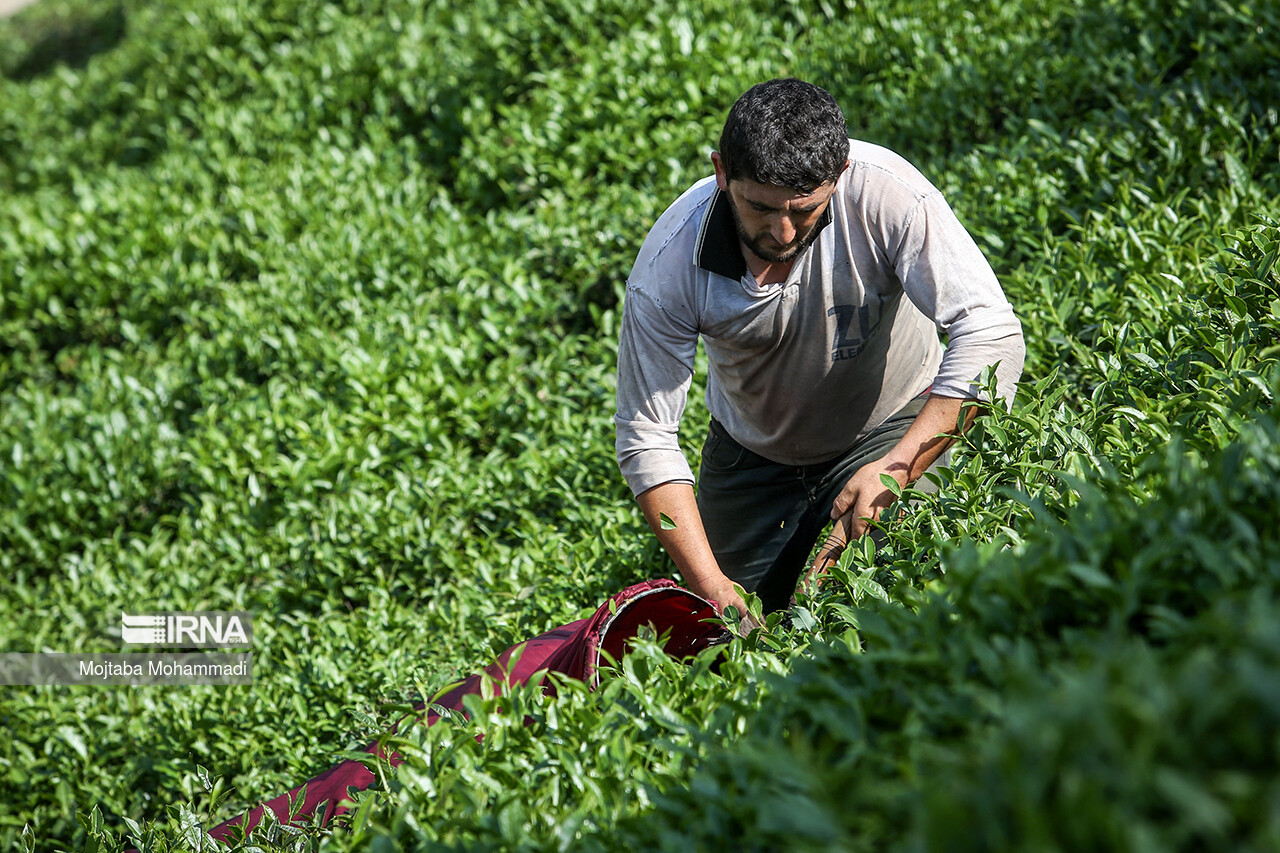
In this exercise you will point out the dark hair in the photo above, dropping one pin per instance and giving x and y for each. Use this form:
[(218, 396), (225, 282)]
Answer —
[(787, 133)]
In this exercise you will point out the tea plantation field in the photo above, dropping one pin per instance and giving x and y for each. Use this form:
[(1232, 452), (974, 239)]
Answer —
[(309, 308)]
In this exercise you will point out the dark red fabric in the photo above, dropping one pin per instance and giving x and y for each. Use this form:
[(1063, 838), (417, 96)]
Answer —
[(687, 621)]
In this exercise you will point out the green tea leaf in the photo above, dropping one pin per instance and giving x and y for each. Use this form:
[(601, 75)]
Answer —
[(891, 484)]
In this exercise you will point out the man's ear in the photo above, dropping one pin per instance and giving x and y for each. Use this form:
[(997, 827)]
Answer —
[(722, 177)]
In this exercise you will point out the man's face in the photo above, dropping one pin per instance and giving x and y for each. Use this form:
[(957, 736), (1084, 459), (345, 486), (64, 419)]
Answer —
[(774, 223)]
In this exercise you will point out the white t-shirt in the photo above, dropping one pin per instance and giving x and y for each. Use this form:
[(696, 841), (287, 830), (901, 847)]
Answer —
[(800, 371)]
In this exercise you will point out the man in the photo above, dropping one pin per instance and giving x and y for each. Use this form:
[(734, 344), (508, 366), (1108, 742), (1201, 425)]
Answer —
[(817, 270)]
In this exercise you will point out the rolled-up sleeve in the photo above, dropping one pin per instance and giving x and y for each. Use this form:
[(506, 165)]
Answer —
[(946, 275), (655, 370)]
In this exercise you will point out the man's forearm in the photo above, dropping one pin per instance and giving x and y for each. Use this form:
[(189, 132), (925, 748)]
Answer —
[(928, 437), (685, 540), (933, 431)]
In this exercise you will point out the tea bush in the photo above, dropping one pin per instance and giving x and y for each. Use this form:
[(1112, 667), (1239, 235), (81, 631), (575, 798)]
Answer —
[(309, 309)]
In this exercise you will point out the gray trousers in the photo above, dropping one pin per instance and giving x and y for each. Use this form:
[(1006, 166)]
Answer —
[(763, 518)]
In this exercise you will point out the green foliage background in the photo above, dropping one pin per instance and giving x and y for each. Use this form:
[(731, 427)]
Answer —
[(309, 309)]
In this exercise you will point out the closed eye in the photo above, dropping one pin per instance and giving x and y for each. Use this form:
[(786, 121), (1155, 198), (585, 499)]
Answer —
[(795, 211)]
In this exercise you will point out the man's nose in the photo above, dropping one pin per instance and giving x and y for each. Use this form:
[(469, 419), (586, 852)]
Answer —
[(784, 231)]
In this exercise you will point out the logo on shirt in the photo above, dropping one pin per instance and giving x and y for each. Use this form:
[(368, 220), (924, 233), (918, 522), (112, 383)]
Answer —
[(854, 326)]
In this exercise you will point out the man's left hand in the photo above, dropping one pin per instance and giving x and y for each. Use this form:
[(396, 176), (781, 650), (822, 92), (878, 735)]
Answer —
[(859, 504), (865, 496)]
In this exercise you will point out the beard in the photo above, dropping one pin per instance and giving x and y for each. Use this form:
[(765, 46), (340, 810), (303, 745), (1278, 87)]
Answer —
[(764, 253)]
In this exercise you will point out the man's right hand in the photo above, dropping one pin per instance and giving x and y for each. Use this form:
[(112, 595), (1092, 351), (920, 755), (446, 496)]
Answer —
[(672, 513), (727, 596)]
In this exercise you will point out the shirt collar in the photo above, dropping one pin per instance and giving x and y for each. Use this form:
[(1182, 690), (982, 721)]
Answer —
[(718, 250)]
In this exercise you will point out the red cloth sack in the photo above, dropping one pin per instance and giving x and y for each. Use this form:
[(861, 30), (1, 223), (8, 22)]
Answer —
[(687, 621)]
